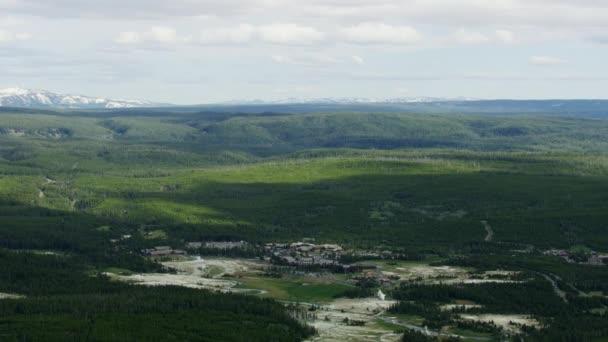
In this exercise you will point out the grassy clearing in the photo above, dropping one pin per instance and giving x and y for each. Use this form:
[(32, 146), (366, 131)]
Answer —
[(157, 234), (392, 265), (409, 319), (214, 270), (119, 271), (295, 289), (470, 333), (386, 326)]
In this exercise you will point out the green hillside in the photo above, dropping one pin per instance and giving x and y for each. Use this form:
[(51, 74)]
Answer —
[(74, 184), (423, 180)]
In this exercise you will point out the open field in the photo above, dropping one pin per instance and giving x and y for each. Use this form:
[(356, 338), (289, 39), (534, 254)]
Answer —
[(238, 276)]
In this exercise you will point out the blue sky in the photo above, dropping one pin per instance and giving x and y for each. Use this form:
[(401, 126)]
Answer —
[(201, 51)]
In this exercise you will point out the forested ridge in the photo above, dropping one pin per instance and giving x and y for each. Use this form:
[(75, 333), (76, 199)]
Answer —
[(85, 191)]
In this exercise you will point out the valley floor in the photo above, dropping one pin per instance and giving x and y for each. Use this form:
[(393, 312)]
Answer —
[(336, 319)]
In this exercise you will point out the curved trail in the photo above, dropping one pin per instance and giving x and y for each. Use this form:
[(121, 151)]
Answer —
[(489, 230), (561, 294), (426, 331)]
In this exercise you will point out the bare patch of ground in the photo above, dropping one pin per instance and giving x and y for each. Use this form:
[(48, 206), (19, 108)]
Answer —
[(185, 280), (448, 275), (449, 307), (155, 234), (197, 273), (428, 273), (479, 281), (504, 321), (331, 325), (45, 252), (501, 273), (216, 267), (10, 296), (433, 212)]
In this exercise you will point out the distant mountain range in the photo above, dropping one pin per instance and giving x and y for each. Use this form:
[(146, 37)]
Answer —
[(28, 100), (350, 100), (18, 97)]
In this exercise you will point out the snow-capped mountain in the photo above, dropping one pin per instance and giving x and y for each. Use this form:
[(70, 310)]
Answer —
[(18, 97), (349, 100)]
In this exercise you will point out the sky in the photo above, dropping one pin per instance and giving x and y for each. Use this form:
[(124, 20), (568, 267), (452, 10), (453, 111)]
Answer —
[(205, 51)]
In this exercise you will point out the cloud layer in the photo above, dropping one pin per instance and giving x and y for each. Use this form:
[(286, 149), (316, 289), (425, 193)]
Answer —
[(545, 60), (445, 12), (133, 48), (7, 36), (368, 33)]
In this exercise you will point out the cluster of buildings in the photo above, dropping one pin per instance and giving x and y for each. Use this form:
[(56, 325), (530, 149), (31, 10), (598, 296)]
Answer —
[(299, 254), (311, 255), (598, 259), (593, 258), (166, 251), (217, 245), (304, 254)]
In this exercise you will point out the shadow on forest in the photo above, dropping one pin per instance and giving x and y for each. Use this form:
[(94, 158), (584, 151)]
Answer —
[(392, 209)]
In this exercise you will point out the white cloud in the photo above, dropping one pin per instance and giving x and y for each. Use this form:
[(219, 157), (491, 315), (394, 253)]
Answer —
[(281, 34), (9, 37), (128, 37), (545, 60), (281, 59), (548, 14), (23, 36), (338, 29), (10, 21), (357, 60), (294, 34), (469, 37), (464, 36), (243, 33), (380, 33), (154, 35), (505, 36), (309, 60), (290, 34), (161, 34), (8, 4), (5, 36)]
